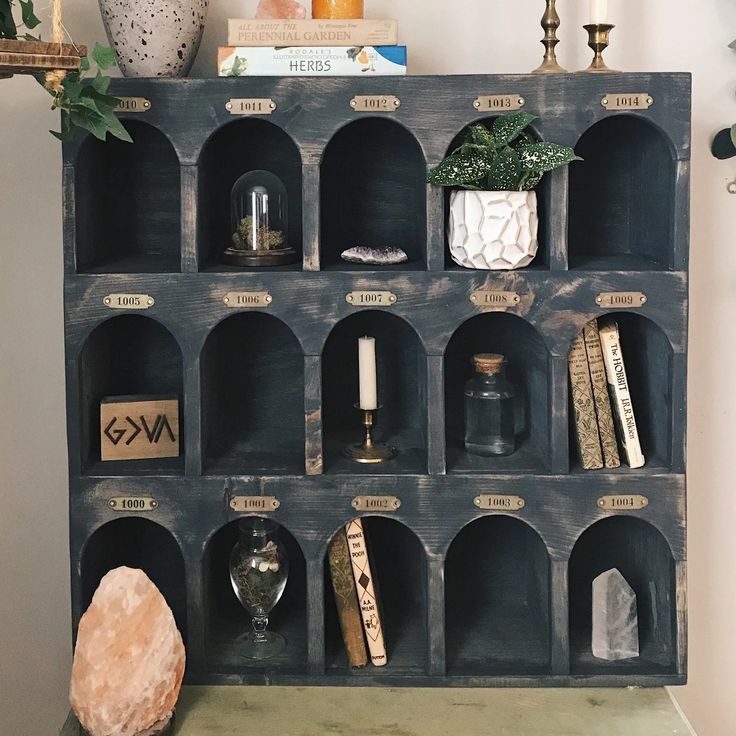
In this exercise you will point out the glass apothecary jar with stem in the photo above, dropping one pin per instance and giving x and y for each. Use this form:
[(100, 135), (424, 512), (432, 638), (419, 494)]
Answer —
[(259, 222), (259, 570)]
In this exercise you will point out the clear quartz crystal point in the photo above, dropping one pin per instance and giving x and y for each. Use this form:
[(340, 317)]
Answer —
[(615, 620)]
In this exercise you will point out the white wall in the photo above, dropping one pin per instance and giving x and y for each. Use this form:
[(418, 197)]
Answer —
[(473, 36)]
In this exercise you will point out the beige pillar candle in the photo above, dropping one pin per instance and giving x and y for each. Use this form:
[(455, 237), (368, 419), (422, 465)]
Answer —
[(598, 11), (367, 373)]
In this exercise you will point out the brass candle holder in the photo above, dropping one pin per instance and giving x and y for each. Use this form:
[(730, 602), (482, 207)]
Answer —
[(598, 36), (368, 451), (550, 24)]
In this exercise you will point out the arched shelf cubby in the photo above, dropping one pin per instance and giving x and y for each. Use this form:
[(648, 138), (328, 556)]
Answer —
[(225, 619), (497, 600), (140, 544), (643, 556), (529, 370), (235, 149), (544, 204), (127, 356), (252, 389), (399, 565), (128, 204), (622, 197), (401, 366), (650, 370), (373, 193)]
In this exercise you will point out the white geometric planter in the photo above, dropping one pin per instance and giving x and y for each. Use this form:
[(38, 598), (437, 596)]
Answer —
[(493, 231)]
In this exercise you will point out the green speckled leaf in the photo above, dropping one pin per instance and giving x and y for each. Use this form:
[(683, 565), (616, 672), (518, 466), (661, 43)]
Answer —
[(481, 136), (505, 173), (546, 156), (508, 128), (460, 170)]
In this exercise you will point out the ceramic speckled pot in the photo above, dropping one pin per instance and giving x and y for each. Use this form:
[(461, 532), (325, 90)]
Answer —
[(493, 230), (154, 38)]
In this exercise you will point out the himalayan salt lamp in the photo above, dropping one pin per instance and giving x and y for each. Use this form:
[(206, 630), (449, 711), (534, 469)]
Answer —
[(129, 659), (280, 9), (337, 9)]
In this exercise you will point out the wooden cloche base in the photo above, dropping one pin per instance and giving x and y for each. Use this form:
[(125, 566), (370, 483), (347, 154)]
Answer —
[(256, 258)]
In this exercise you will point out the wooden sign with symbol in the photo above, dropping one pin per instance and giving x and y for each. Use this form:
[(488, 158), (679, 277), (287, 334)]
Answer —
[(139, 427)]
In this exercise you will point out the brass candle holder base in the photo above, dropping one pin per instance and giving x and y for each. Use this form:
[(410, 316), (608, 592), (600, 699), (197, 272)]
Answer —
[(550, 24), (368, 451), (598, 38)]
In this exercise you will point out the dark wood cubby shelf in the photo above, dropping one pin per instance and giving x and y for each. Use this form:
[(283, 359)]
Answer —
[(471, 597)]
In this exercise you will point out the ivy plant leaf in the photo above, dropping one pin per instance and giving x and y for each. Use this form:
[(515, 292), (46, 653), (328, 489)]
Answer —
[(733, 135), (508, 128), (116, 128), (8, 29), (505, 172), (84, 65), (101, 83), (99, 101), (546, 156), (87, 119), (30, 20), (460, 170), (104, 56)]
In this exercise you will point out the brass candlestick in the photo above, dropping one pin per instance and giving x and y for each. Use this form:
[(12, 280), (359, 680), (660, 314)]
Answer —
[(598, 35), (368, 451), (550, 24)]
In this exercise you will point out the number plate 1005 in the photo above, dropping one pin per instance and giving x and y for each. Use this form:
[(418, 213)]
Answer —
[(128, 301)]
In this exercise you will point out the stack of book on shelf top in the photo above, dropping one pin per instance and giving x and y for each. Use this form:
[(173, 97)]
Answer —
[(307, 48), (604, 411), (355, 597)]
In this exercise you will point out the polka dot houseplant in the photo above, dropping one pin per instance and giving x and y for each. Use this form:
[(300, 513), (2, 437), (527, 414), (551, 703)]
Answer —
[(493, 222)]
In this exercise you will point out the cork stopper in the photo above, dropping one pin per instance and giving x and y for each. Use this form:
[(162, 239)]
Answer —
[(489, 362)]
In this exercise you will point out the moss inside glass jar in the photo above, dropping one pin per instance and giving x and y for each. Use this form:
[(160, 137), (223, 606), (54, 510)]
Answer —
[(259, 222)]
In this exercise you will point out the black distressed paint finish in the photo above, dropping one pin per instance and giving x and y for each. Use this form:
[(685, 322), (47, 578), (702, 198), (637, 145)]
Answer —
[(472, 598)]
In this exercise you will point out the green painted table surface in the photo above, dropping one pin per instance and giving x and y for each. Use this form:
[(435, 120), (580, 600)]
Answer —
[(323, 711)]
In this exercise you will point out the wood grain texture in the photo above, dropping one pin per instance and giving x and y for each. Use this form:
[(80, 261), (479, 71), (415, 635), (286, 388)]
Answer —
[(312, 712), (279, 382)]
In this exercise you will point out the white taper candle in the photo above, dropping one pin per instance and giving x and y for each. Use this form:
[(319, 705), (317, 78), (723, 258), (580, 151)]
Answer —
[(367, 373), (598, 11)]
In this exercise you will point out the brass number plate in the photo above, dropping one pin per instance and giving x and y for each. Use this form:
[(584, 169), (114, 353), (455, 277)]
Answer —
[(249, 504), (622, 503), (498, 103), (128, 301), (371, 298), (628, 299), (375, 103), (244, 299), (376, 503), (133, 104), (499, 503), (250, 106), (495, 299), (133, 503), (628, 101)]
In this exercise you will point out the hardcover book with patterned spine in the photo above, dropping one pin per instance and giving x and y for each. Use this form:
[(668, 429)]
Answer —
[(606, 428), (618, 387), (318, 32), (363, 574), (586, 421), (346, 600)]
